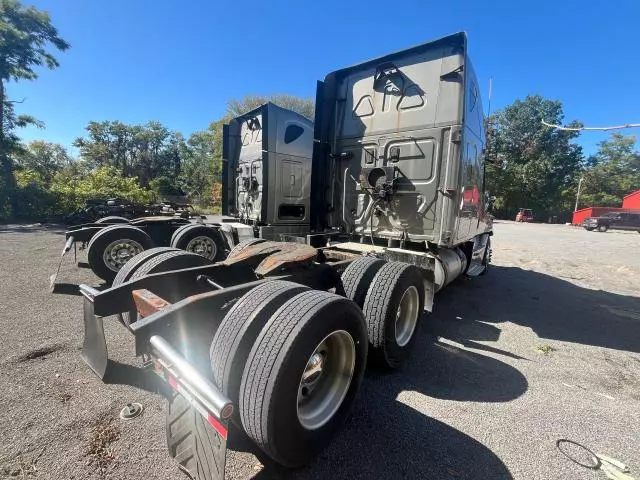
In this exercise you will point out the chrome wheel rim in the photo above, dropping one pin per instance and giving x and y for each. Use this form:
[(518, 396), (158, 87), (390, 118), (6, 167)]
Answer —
[(326, 379), (120, 252), (203, 246), (407, 316)]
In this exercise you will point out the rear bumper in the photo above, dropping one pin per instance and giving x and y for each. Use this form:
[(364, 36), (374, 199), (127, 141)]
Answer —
[(171, 366)]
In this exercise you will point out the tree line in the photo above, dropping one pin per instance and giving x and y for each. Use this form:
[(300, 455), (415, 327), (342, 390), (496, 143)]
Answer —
[(533, 166), (538, 167), (142, 163)]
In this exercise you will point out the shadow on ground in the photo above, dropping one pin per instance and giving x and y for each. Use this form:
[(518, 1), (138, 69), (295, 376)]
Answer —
[(386, 438), (125, 374), (73, 289), (553, 308)]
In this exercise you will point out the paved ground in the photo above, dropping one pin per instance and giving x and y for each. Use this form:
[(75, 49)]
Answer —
[(477, 401)]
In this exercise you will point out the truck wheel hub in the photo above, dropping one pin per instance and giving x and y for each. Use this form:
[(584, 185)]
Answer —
[(407, 316), (326, 379), (203, 246), (119, 252)]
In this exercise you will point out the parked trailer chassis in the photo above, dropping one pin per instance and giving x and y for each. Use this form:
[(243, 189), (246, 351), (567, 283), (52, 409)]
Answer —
[(112, 243)]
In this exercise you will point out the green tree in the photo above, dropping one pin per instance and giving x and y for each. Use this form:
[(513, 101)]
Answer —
[(303, 106), (26, 38), (612, 172), (536, 166), (144, 151), (199, 170), (43, 159), (105, 181)]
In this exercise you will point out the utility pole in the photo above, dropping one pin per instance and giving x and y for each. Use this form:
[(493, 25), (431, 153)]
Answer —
[(578, 195), (490, 92)]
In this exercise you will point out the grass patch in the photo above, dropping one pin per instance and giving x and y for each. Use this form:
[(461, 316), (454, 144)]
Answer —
[(545, 349)]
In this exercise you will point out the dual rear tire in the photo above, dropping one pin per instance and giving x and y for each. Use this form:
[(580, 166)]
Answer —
[(289, 355), (391, 295), (113, 246), (292, 359), (155, 260), (303, 372), (201, 240)]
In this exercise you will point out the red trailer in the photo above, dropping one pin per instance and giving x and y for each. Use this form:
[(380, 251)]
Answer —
[(632, 200), (580, 215)]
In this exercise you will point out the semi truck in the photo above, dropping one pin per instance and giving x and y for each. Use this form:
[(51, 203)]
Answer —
[(275, 338)]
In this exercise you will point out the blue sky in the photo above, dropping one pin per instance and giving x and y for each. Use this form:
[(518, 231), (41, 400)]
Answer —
[(179, 62)]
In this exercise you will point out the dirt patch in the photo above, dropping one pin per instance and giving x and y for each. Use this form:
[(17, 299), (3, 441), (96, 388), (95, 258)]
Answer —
[(103, 433), (41, 352)]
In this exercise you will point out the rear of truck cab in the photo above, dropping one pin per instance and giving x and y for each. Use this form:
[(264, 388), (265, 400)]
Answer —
[(412, 120)]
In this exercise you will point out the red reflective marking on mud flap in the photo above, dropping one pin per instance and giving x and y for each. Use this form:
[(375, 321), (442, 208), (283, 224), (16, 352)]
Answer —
[(173, 383), (213, 421)]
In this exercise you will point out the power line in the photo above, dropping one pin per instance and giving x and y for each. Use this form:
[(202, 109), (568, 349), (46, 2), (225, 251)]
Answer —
[(579, 129)]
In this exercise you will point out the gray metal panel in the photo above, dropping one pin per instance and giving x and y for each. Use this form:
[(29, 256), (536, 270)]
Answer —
[(471, 210), (260, 151), (404, 102), (290, 166), (400, 112)]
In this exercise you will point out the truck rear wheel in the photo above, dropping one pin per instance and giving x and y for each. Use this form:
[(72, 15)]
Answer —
[(177, 232), (132, 265), (113, 219), (164, 262), (486, 259), (113, 246), (302, 375), (357, 278), (124, 274), (201, 240), (239, 329), (190, 440), (392, 310), (244, 244)]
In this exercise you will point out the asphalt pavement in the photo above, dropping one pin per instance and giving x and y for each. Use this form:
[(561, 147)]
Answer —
[(545, 346)]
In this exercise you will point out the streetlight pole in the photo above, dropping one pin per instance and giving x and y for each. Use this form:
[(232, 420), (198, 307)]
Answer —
[(578, 195)]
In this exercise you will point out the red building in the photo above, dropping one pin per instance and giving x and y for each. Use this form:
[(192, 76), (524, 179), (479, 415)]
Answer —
[(630, 203), (632, 200)]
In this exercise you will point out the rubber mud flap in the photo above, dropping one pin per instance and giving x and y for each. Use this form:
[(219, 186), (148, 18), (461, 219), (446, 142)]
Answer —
[(193, 442)]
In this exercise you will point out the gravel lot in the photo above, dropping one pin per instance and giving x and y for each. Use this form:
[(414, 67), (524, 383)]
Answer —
[(478, 400)]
